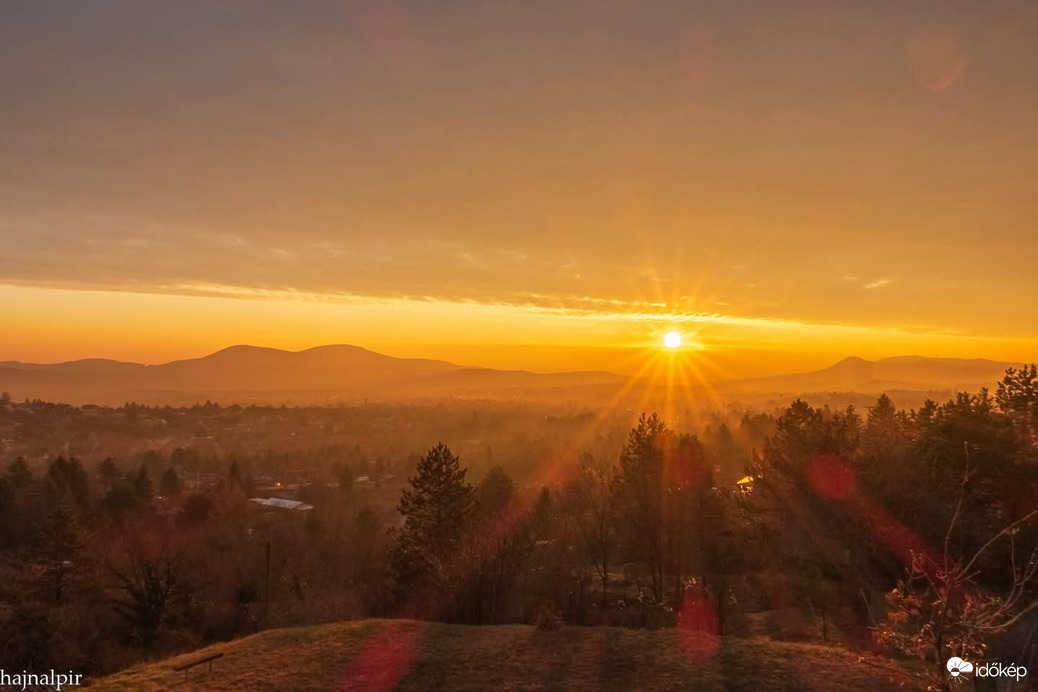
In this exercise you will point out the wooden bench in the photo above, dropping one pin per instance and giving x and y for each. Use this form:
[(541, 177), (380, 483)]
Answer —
[(197, 662)]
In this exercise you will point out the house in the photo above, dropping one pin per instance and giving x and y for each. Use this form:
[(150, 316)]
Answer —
[(278, 503)]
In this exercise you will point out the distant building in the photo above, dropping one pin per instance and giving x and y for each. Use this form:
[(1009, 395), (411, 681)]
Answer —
[(274, 503)]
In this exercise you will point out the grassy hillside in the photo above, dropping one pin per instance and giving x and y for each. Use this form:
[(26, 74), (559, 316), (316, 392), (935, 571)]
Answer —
[(408, 655)]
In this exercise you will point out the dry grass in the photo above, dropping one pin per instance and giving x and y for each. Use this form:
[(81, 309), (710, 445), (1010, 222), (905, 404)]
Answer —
[(407, 655)]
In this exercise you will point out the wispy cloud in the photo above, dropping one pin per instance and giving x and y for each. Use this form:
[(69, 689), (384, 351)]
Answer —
[(878, 283), (865, 283)]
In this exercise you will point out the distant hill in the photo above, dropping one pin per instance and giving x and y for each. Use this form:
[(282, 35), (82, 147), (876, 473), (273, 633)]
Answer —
[(406, 655), (905, 373), (250, 374), (342, 373)]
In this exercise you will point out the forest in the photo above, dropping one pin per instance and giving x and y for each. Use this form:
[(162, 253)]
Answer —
[(909, 532)]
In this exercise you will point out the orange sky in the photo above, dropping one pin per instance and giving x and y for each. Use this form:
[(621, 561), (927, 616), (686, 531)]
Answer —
[(539, 186)]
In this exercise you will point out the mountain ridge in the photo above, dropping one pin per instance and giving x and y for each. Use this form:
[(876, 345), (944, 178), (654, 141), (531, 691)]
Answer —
[(338, 372), (322, 373), (894, 372)]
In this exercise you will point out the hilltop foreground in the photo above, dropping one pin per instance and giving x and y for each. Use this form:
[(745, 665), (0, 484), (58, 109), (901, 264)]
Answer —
[(408, 655)]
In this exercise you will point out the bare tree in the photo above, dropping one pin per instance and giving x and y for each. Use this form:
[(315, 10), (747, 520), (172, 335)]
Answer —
[(939, 608), (591, 508)]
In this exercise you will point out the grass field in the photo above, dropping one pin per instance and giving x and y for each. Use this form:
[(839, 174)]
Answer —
[(407, 655)]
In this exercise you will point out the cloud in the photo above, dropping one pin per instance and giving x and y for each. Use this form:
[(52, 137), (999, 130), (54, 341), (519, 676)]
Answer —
[(864, 283), (159, 148), (878, 283)]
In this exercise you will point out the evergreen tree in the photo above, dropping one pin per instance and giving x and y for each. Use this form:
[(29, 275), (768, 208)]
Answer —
[(543, 511), (640, 493), (170, 482), (234, 473), (141, 483), (152, 460), (108, 470), (437, 507), (18, 473), (8, 515), (495, 491), (59, 552), (67, 478), (1017, 397), (120, 498)]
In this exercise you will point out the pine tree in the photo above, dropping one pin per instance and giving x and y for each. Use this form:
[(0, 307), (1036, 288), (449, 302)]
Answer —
[(437, 508), (170, 482), (495, 491), (1017, 397), (67, 478), (18, 473), (639, 486), (108, 470), (141, 483), (59, 552)]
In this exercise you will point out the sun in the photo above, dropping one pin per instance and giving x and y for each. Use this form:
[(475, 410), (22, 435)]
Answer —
[(672, 340)]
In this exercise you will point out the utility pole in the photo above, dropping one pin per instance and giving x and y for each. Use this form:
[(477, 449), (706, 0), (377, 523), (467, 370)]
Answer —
[(266, 595)]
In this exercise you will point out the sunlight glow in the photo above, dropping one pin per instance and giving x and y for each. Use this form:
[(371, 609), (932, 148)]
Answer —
[(672, 340)]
